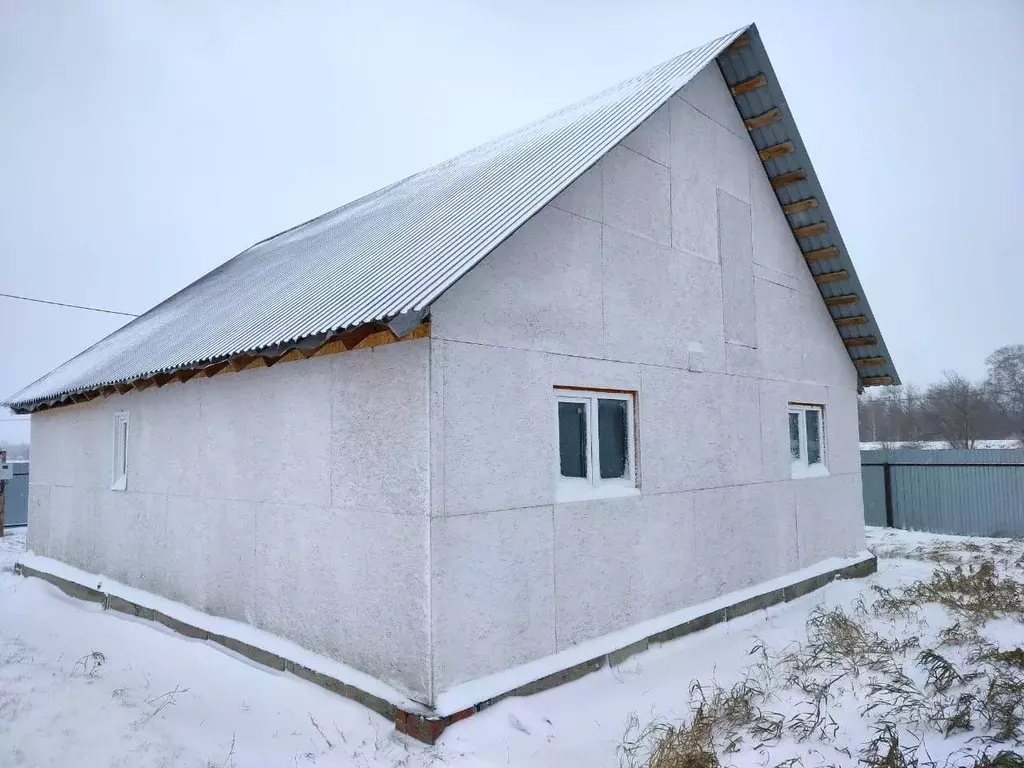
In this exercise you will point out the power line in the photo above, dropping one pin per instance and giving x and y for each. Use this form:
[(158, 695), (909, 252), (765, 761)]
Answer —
[(62, 304)]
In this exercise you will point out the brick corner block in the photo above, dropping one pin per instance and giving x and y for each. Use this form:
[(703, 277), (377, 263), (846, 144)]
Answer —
[(426, 728)]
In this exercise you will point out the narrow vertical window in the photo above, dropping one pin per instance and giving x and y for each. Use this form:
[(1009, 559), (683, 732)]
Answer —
[(806, 440), (596, 451), (613, 437), (813, 418), (119, 461), (794, 436), (572, 438)]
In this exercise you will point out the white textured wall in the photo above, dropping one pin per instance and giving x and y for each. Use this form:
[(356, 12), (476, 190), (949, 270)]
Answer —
[(668, 269), (294, 498), (391, 506)]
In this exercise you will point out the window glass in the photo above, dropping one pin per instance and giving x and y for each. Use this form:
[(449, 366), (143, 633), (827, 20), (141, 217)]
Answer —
[(794, 436), (124, 448), (813, 436), (596, 444), (572, 438), (119, 463), (612, 430)]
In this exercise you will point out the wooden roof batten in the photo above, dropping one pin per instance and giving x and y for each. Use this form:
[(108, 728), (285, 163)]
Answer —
[(362, 337)]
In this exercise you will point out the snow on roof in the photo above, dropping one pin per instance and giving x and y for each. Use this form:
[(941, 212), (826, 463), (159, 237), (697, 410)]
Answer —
[(395, 250)]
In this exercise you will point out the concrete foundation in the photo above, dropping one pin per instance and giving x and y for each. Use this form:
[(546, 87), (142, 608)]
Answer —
[(428, 727)]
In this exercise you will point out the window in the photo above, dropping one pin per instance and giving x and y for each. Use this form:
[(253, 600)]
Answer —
[(596, 454), (119, 461), (807, 440)]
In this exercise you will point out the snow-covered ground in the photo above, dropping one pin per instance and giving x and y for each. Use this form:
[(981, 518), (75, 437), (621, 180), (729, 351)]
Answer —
[(813, 679), (938, 445)]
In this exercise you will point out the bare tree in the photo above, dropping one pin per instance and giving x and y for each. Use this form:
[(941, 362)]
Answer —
[(913, 408), (955, 410), (893, 415), (1005, 384), (958, 410)]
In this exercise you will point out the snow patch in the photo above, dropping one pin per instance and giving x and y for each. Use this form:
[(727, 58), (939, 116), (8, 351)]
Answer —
[(464, 695), (938, 445), (236, 630)]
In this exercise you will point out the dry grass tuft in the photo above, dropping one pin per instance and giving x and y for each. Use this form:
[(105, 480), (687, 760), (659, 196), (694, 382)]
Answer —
[(837, 642), (885, 751), (660, 744), (941, 672), (976, 593), (969, 686), (1002, 759), (720, 718)]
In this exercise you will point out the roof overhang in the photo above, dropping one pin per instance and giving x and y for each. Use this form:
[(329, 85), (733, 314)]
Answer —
[(364, 336), (769, 121)]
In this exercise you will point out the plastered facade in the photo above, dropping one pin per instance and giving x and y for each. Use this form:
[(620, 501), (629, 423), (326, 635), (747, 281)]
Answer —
[(667, 269), (394, 508), (293, 498)]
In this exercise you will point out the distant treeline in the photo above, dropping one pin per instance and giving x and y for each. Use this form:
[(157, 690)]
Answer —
[(955, 410)]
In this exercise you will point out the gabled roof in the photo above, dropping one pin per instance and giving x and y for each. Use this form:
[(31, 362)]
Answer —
[(391, 253)]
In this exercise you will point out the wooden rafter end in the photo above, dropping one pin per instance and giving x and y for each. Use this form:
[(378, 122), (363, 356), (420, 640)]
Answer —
[(842, 301), (831, 277), (861, 341), (811, 230), (800, 206), (746, 86), (765, 118)]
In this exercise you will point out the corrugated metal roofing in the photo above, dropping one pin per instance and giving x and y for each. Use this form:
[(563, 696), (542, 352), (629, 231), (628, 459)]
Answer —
[(393, 251)]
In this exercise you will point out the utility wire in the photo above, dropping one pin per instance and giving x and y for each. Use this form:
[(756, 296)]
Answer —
[(62, 304)]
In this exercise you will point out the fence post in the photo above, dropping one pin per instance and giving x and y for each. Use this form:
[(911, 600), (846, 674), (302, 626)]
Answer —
[(890, 521), (3, 496)]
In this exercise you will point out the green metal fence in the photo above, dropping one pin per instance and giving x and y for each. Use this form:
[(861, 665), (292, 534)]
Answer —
[(976, 493)]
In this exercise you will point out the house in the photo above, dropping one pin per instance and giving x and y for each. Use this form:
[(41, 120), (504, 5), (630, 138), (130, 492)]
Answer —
[(543, 400)]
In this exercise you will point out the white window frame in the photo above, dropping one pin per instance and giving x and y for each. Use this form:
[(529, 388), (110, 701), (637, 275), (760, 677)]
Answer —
[(119, 452), (568, 489), (799, 467)]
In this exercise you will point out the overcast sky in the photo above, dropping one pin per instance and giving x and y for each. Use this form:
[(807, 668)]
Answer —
[(143, 143)]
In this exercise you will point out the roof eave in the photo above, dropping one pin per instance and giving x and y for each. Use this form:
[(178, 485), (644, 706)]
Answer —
[(401, 328)]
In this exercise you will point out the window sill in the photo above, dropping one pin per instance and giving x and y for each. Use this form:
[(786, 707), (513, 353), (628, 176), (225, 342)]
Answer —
[(799, 472), (567, 493)]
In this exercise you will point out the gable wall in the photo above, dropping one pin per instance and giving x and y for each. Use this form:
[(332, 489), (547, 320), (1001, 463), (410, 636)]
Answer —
[(667, 269), (273, 496)]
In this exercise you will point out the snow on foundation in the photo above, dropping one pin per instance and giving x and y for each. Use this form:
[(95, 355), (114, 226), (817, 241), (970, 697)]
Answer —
[(235, 714), (230, 628), (467, 694), (459, 697)]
